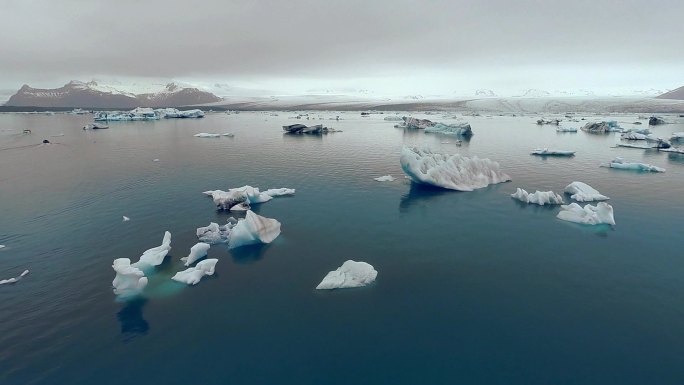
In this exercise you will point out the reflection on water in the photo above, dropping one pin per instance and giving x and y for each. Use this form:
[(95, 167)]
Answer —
[(249, 254), (131, 319), (421, 194)]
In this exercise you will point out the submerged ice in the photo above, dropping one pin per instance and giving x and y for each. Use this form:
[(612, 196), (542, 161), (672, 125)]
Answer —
[(453, 172), (350, 274), (602, 213)]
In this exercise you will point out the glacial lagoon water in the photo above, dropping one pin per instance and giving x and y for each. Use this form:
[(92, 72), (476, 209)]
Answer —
[(472, 288)]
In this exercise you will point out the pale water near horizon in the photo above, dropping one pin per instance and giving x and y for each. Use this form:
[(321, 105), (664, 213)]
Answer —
[(472, 287)]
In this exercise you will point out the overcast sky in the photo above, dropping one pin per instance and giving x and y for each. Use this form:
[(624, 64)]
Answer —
[(391, 47)]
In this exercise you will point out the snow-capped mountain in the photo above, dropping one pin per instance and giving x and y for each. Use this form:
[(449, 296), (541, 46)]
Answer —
[(94, 95)]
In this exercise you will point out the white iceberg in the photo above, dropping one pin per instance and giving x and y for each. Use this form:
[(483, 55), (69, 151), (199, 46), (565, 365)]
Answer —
[(461, 129), (245, 195), (14, 279), (539, 197), (582, 192), (155, 256), (602, 213), (602, 127), (126, 219), (196, 252), (566, 129), (193, 275), (253, 229), (350, 274), (129, 280), (453, 172), (175, 113), (552, 152), (140, 113), (621, 164), (214, 233), (384, 178), (207, 135)]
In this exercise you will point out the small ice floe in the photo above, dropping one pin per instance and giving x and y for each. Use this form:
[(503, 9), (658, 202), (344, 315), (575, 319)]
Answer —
[(602, 213), (630, 145), (453, 172), (393, 118), (207, 135), (601, 127), (197, 252), (214, 233), (554, 122), (129, 280), (14, 279), (95, 126), (170, 113), (350, 274), (193, 275), (155, 160), (2, 247), (582, 192), (252, 230), (299, 128), (244, 196), (126, 219), (155, 256), (539, 197), (228, 134), (621, 164), (552, 152), (566, 129), (384, 178), (677, 137), (643, 131)]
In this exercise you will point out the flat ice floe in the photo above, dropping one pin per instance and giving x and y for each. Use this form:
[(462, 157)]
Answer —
[(207, 135), (253, 229), (350, 274), (196, 253), (129, 280), (384, 178), (453, 172), (14, 279), (602, 213), (244, 196), (539, 197), (552, 152), (193, 275), (155, 256), (582, 192), (621, 164)]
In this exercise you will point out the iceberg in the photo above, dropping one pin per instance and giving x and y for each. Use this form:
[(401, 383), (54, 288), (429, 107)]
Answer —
[(243, 196), (139, 113), (207, 135), (414, 123), (193, 275), (654, 121), (453, 172), (644, 130), (602, 213), (461, 129), (633, 136), (299, 128), (566, 129), (394, 118), (552, 152), (129, 280), (542, 122), (602, 127), (14, 279), (621, 164), (214, 233), (582, 192), (539, 197), (384, 178), (253, 229), (196, 252), (155, 256), (350, 274), (170, 113), (126, 219), (2, 246)]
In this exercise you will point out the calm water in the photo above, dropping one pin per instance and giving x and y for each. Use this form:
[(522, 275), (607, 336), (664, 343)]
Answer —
[(473, 288)]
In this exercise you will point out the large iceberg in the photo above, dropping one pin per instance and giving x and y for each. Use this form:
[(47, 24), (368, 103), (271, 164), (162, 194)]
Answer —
[(582, 192), (602, 213), (244, 196), (253, 229), (552, 152), (539, 197), (350, 274), (169, 113), (214, 233), (461, 129), (453, 172), (155, 256), (196, 253), (621, 164), (193, 275), (14, 279), (602, 127), (140, 113), (129, 280)]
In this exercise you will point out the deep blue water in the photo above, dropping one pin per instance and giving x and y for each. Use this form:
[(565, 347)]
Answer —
[(472, 288)]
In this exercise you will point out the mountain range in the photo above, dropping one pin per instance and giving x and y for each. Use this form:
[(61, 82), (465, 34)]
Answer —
[(674, 94), (93, 95)]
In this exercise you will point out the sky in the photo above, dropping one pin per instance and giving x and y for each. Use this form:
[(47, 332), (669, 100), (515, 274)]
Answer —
[(393, 47)]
